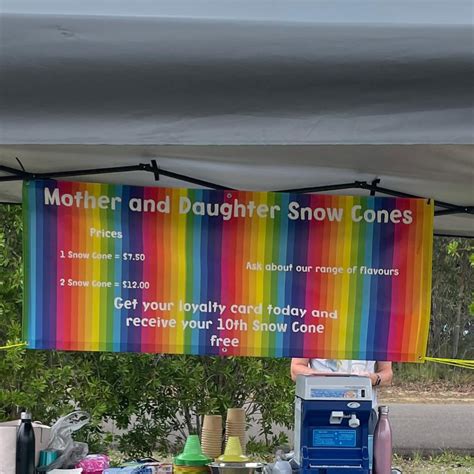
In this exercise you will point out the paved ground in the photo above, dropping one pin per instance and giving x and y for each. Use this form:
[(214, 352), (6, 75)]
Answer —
[(432, 427), (423, 427)]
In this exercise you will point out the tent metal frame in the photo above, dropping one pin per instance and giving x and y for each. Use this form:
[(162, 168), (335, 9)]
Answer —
[(152, 167)]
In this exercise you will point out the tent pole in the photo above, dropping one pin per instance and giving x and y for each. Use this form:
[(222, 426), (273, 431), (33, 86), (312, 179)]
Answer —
[(319, 189), (448, 207), (152, 167), (447, 212), (19, 175), (199, 182)]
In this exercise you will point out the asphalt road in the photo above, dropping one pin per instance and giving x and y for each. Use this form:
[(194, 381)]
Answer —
[(432, 427), (419, 427), (427, 428)]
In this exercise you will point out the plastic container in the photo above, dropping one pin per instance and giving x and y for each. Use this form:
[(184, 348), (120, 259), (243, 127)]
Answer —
[(383, 443), (233, 452), (94, 464), (281, 467), (25, 446), (47, 456), (191, 460)]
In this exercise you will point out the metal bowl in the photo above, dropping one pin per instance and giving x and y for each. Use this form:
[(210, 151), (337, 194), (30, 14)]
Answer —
[(236, 467)]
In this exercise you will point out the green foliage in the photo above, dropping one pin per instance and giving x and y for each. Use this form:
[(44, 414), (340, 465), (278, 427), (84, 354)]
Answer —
[(265, 450), (157, 399), (451, 329), (154, 401), (459, 250), (430, 374)]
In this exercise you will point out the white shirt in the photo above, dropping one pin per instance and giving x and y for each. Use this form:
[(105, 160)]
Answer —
[(354, 367)]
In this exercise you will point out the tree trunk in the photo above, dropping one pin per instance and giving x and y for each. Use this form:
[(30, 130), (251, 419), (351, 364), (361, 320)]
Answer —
[(457, 326)]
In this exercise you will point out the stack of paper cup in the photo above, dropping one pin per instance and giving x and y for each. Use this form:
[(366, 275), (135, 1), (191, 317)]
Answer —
[(211, 439), (235, 425)]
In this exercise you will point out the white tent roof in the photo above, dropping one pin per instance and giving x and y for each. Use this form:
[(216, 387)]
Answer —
[(236, 71), (322, 92)]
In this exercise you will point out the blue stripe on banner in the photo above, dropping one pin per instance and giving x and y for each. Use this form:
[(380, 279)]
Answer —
[(40, 328), (366, 301), (195, 265), (32, 320), (117, 323)]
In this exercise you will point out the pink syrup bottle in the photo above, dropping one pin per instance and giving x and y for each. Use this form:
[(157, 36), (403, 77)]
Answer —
[(383, 443)]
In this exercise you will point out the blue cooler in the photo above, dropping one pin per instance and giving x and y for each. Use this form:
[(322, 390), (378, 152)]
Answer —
[(332, 414)]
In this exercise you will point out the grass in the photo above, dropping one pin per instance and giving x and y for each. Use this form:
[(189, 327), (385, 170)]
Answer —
[(430, 372), (446, 462)]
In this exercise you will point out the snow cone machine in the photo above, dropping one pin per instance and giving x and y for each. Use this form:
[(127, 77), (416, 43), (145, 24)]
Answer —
[(332, 415)]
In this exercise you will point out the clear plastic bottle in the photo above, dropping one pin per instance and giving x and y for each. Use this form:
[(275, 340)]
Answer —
[(281, 466), (25, 446), (383, 443)]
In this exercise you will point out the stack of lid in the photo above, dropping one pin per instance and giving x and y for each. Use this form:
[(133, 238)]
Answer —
[(191, 460), (235, 425), (212, 436)]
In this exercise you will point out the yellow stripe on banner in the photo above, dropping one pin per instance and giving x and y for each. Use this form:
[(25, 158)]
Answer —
[(261, 225), (463, 363), (97, 302), (346, 317), (178, 264), (425, 288), (11, 346), (253, 280)]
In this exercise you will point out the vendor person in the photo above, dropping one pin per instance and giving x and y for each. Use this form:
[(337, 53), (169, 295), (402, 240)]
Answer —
[(380, 372)]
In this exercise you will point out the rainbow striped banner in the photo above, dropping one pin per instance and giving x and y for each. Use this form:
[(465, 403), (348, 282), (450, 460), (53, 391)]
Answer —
[(191, 271)]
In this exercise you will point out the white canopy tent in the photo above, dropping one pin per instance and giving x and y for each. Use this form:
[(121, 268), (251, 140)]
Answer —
[(268, 94)]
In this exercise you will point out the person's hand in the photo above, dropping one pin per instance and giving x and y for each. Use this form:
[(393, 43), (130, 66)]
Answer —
[(372, 376)]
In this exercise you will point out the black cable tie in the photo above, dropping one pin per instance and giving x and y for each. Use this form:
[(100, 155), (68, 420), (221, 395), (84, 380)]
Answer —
[(155, 170), (20, 163), (374, 186)]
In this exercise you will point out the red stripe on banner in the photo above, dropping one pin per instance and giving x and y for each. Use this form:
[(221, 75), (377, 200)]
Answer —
[(397, 316)]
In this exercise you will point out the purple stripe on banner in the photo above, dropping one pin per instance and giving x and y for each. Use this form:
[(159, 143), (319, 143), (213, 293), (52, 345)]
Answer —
[(374, 284), (384, 296), (42, 327), (126, 294), (289, 285), (214, 255), (204, 274), (300, 254)]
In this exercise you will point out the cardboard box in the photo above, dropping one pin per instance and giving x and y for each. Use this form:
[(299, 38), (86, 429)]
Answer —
[(8, 431)]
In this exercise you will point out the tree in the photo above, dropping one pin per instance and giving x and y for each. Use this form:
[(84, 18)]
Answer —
[(152, 396), (451, 330), (159, 399)]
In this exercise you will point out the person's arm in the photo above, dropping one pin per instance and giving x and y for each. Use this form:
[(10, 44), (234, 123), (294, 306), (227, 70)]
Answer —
[(300, 367), (382, 370)]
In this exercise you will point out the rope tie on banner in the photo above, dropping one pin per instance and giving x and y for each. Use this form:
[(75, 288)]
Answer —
[(11, 346), (465, 364)]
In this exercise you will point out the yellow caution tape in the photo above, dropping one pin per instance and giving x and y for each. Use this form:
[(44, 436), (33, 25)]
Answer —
[(466, 364), (11, 346)]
